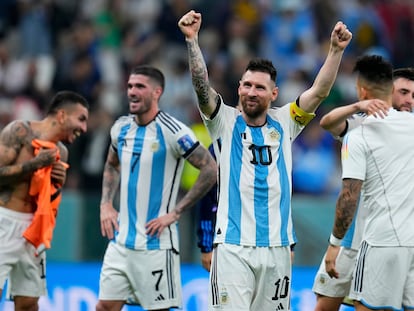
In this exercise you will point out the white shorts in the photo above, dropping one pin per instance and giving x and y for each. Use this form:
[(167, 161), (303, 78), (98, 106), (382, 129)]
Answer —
[(250, 278), (331, 287), (150, 278), (26, 273), (384, 277)]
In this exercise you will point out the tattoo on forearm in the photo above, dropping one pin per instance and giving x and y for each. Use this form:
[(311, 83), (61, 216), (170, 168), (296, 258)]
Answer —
[(206, 179), (199, 72), (346, 206), (110, 183)]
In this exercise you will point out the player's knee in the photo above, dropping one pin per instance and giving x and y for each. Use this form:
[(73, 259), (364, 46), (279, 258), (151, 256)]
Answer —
[(108, 306), (324, 303), (26, 303), (100, 306)]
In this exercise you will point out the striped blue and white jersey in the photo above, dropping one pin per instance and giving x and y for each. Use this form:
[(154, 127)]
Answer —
[(255, 187), (152, 159)]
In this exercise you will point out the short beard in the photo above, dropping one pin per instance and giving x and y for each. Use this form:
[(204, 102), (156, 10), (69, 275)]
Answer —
[(253, 113)]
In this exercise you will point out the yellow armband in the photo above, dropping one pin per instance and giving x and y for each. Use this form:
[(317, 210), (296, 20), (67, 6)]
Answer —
[(299, 115)]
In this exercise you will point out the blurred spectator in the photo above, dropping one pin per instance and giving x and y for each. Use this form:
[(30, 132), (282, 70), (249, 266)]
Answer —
[(398, 17), (295, 83), (8, 16), (289, 36), (78, 62), (367, 27), (34, 29), (179, 97), (84, 77)]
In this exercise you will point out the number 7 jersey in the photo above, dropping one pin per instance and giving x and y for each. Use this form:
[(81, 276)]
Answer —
[(152, 159)]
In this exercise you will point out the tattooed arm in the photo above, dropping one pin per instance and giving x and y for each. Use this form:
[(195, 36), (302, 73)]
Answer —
[(345, 210), (110, 183), (207, 97), (16, 155), (346, 206), (201, 159)]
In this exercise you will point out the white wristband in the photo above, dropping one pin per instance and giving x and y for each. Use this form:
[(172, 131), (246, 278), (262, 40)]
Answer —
[(334, 240)]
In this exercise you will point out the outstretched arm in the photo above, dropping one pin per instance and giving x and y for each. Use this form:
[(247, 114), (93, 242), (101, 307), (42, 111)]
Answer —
[(312, 98), (335, 120), (190, 25)]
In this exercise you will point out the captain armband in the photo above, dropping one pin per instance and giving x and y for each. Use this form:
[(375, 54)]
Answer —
[(299, 115)]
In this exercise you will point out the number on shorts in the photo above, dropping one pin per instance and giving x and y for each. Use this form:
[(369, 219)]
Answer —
[(42, 265), (282, 288), (157, 284)]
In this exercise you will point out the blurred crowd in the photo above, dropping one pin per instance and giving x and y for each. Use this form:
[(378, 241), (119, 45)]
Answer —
[(90, 46)]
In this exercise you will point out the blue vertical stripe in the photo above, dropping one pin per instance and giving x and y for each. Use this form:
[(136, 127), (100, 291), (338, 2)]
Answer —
[(284, 185), (132, 187), (234, 211), (261, 189), (156, 187)]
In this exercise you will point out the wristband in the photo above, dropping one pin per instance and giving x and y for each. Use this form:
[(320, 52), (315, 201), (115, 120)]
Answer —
[(334, 240)]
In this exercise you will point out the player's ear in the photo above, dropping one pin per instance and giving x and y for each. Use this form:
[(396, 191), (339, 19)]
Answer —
[(275, 93), (158, 91), (60, 116)]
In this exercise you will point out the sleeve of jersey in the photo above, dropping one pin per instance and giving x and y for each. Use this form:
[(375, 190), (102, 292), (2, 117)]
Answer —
[(353, 157), (186, 141), (300, 116), (218, 120), (114, 136)]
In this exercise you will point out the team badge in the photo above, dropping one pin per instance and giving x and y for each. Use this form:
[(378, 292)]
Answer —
[(273, 135), (185, 142), (224, 296), (155, 145)]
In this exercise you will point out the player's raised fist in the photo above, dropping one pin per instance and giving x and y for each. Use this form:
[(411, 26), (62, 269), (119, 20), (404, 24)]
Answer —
[(190, 24)]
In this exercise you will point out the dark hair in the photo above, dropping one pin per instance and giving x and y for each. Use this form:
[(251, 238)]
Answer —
[(406, 73), (64, 98), (262, 65), (374, 69), (149, 71)]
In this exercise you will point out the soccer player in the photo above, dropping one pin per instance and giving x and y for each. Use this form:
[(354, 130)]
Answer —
[(331, 291), (146, 157), (377, 169), (22, 162), (251, 265), (403, 92)]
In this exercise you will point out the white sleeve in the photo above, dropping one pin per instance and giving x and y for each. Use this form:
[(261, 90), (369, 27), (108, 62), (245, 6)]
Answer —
[(353, 155), (184, 141), (221, 118)]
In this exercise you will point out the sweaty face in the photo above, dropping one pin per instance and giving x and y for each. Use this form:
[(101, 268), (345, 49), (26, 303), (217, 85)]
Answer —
[(403, 94), (75, 122), (140, 94), (256, 92)]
